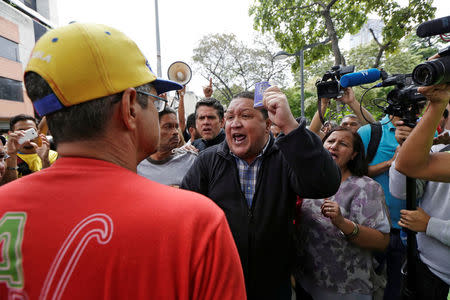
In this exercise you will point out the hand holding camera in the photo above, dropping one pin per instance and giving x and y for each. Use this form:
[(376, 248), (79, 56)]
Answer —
[(17, 138), (28, 135)]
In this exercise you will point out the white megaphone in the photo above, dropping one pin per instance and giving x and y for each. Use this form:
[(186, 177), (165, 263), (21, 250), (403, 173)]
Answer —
[(179, 72)]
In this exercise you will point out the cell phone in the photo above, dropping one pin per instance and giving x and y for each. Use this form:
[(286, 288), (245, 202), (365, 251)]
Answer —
[(260, 88), (30, 134)]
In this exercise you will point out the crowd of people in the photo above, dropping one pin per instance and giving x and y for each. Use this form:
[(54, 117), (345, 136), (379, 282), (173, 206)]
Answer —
[(120, 196)]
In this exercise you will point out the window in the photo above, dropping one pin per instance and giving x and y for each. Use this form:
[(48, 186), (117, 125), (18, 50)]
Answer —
[(9, 49), (39, 30), (30, 3), (11, 89)]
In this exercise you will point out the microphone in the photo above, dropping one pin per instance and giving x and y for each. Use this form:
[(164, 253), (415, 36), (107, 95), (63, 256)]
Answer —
[(434, 27), (361, 77)]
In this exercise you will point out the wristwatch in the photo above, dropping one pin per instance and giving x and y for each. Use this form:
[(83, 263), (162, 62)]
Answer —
[(13, 168)]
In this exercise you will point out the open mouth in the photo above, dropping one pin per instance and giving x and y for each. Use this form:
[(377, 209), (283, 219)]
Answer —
[(238, 138), (207, 130), (334, 156)]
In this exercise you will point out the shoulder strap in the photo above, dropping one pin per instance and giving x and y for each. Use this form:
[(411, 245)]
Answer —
[(375, 138)]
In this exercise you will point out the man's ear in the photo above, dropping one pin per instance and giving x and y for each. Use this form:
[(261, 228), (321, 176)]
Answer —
[(128, 108), (222, 122)]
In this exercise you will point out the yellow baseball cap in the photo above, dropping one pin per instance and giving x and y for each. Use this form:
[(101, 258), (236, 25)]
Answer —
[(83, 62)]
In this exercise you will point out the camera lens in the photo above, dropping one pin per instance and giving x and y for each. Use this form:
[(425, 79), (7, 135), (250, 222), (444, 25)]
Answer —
[(432, 72), (423, 74)]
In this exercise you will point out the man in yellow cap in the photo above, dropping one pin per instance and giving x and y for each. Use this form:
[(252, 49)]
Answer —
[(89, 227)]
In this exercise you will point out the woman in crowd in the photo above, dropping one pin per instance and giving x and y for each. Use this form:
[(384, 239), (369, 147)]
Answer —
[(338, 236)]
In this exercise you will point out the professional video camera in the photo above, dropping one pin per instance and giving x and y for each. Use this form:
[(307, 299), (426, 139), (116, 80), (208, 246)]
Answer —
[(404, 101), (329, 86), (435, 71)]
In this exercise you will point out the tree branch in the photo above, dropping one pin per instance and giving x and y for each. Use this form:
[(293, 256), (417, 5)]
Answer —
[(374, 37), (381, 49), (223, 82), (332, 2)]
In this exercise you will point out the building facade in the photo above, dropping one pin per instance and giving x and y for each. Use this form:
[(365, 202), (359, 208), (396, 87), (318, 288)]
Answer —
[(364, 36), (22, 23)]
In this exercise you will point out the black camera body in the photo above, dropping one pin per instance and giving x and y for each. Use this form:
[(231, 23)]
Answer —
[(435, 71), (404, 101), (329, 86)]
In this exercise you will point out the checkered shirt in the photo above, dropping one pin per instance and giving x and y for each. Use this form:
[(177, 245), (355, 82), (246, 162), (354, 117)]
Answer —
[(248, 174)]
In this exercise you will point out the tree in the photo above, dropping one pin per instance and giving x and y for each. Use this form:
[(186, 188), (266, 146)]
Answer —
[(296, 23), (236, 67), (398, 22)]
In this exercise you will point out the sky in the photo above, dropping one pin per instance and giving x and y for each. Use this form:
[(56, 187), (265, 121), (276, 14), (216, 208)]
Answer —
[(182, 24)]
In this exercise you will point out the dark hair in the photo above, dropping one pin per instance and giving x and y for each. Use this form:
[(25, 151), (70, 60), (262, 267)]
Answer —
[(84, 121), (445, 113), (21, 117), (167, 110), (211, 102), (358, 166), (190, 122), (251, 95)]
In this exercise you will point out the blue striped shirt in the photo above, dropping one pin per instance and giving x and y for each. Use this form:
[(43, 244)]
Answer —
[(248, 174)]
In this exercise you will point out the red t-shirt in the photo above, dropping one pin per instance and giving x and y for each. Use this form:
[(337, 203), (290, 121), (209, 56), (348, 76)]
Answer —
[(89, 229)]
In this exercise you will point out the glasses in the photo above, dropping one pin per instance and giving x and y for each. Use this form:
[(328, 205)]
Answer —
[(159, 102)]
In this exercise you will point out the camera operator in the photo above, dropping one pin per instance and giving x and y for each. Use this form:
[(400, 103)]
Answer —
[(352, 122), (379, 170), (414, 158), (432, 222)]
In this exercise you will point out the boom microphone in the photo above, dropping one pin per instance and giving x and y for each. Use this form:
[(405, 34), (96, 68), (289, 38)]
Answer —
[(361, 77), (434, 27)]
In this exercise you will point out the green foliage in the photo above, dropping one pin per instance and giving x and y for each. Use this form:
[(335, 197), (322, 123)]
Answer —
[(296, 23), (294, 95), (399, 21)]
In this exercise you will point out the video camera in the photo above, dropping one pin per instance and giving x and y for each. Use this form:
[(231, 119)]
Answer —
[(435, 71), (329, 86), (404, 101)]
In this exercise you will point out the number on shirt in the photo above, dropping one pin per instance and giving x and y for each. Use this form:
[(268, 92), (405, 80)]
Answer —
[(12, 226)]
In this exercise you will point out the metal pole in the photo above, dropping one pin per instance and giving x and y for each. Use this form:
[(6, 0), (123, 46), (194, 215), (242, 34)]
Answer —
[(302, 100), (408, 292), (158, 48)]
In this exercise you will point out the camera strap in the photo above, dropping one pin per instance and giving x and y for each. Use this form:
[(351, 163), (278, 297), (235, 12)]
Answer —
[(446, 148), (375, 138)]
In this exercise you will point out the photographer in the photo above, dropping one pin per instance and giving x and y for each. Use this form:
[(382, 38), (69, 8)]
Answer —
[(29, 157), (414, 158), (352, 122), (379, 171), (432, 223)]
